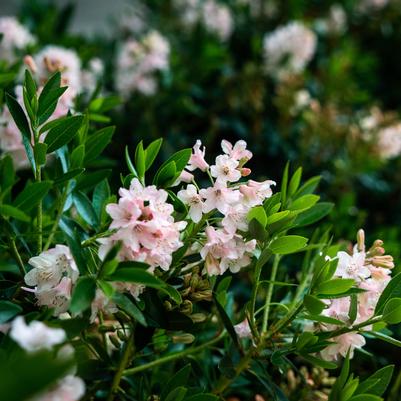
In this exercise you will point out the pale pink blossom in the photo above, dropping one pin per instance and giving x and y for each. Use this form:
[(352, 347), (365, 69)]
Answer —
[(197, 159), (217, 18), (225, 169), (237, 152), (101, 303), (219, 197), (236, 218), (35, 336), (69, 388), (254, 193), (191, 198), (15, 38), (144, 224), (343, 344), (352, 266), (243, 329)]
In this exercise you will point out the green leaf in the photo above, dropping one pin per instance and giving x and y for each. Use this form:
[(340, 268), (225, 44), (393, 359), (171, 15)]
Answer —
[(392, 290), (48, 103), (83, 294), (11, 211), (314, 214), (123, 302), (31, 195), (353, 308), (172, 293), (85, 209), (130, 165), (314, 305), (284, 183), (8, 310), (273, 218), (63, 133), (306, 339), (365, 397), (77, 157), (140, 160), (22, 123), (392, 311), (89, 180), (227, 322), (304, 202), (97, 142), (36, 371), (166, 176), (377, 383), (319, 362), (40, 151), (385, 337), (324, 319), (288, 244), (334, 286), (30, 85), (258, 213), (180, 160), (294, 182), (309, 187), (68, 176), (179, 379), (138, 276), (202, 397), (151, 152), (177, 394)]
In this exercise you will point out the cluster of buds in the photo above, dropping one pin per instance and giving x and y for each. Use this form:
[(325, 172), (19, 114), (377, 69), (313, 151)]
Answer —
[(195, 288)]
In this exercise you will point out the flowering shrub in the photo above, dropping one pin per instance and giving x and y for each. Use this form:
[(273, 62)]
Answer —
[(104, 288)]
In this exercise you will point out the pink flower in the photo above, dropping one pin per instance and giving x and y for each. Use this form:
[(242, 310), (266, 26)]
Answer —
[(101, 303), (352, 266), (225, 169), (219, 197), (191, 197), (197, 159), (235, 218), (237, 152), (145, 226), (243, 330), (342, 344), (254, 193), (69, 388)]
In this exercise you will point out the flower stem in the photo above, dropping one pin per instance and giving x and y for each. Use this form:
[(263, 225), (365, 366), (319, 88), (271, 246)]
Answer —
[(125, 359), (57, 219), (38, 178), (175, 355), (270, 293), (17, 256)]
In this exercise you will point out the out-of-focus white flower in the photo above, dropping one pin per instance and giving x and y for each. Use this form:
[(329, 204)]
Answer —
[(342, 345), (366, 6), (55, 58), (214, 16), (36, 336), (15, 37), (217, 19), (91, 75), (243, 330), (138, 61), (335, 23), (69, 388), (288, 49), (389, 142)]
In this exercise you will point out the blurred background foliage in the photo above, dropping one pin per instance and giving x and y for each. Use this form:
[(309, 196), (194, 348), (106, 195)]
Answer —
[(326, 118)]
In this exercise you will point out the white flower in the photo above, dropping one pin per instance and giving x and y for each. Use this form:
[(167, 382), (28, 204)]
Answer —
[(138, 61), (243, 330), (69, 388), (389, 142), (225, 169), (36, 336), (288, 49), (53, 275), (217, 19), (14, 37), (352, 266), (101, 303), (191, 197)]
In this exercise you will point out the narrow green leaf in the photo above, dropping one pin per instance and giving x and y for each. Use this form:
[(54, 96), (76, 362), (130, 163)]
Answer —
[(152, 151), (85, 209), (97, 142), (8, 310), (31, 195), (138, 276), (314, 305), (83, 294), (334, 286), (288, 244), (11, 211), (392, 311)]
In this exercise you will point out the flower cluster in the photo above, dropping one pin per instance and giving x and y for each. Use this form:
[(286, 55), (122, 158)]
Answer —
[(138, 61), (14, 39), (371, 271), (288, 49), (43, 65), (144, 225), (224, 247), (215, 17), (35, 337)]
